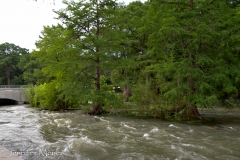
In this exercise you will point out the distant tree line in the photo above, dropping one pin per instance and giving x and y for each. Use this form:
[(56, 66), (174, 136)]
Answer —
[(11, 72)]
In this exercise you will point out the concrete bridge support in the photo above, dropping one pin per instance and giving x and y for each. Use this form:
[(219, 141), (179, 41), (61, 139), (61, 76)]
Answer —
[(12, 94)]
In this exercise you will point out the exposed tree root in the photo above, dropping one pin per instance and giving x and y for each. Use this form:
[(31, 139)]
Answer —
[(96, 110), (193, 111)]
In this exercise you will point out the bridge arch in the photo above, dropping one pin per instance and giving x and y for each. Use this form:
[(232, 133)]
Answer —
[(4, 101), (12, 94)]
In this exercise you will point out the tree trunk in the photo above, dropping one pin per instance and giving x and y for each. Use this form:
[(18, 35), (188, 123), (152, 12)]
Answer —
[(97, 76), (191, 4), (97, 109), (8, 76), (192, 109), (61, 104), (127, 93)]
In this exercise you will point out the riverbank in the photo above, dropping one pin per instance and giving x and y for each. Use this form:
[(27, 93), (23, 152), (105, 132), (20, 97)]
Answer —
[(6, 154)]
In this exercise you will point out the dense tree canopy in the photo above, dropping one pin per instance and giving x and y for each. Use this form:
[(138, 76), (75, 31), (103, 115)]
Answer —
[(10, 55), (172, 57), (76, 54), (197, 62)]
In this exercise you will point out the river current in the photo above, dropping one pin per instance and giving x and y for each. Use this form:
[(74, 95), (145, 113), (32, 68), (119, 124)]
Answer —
[(72, 135)]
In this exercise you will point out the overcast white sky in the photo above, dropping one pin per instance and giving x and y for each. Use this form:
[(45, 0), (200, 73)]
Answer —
[(21, 21)]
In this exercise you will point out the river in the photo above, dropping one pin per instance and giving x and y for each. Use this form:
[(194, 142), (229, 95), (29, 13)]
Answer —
[(72, 135)]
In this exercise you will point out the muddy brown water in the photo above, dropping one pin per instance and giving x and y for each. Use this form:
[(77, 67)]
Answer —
[(46, 135)]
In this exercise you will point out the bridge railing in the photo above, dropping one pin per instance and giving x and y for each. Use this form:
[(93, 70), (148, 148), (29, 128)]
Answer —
[(13, 86)]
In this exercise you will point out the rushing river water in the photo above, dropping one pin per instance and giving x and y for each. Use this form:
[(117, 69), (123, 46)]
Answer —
[(45, 135)]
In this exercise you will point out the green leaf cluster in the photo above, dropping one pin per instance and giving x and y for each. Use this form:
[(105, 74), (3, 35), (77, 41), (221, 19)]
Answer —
[(10, 72)]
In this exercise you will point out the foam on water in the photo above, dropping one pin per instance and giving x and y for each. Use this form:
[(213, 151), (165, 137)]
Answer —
[(171, 135), (78, 136), (104, 120), (146, 135), (127, 126), (171, 125), (62, 122), (155, 129)]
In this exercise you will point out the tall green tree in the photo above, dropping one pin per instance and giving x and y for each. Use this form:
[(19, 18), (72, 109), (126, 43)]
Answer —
[(10, 55), (91, 22), (196, 58), (59, 62), (77, 53), (132, 45)]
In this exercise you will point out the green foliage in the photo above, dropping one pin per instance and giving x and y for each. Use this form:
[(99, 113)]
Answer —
[(187, 42), (48, 96), (145, 96), (30, 95), (31, 69), (10, 55), (106, 96), (73, 56), (176, 56), (44, 96)]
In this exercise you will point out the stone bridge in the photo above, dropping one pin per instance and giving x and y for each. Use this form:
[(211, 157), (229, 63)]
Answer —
[(11, 94)]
